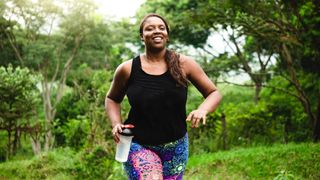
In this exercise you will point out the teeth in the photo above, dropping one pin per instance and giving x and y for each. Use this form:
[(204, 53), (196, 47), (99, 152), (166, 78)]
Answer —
[(157, 38)]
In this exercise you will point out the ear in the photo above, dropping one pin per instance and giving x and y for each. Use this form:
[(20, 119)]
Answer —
[(141, 37)]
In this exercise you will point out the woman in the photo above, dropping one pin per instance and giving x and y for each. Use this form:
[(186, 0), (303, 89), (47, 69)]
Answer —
[(156, 86)]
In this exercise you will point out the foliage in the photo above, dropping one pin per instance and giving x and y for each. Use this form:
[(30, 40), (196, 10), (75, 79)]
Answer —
[(296, 161), (64, 163), (81, 115), (18, 92), (83, 107), (76, 50), (276, 119), (7, 55), (250, 124), (19, 98), (96, 164), (75, 133), (59, 163), (286, 111), (106, 44)]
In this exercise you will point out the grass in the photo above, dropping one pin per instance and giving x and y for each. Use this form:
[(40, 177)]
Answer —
[(44, 166), (292, 161), (278, 162), (64, 163)]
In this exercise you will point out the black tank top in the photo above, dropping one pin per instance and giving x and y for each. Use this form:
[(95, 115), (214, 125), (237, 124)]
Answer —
[(158, 106)]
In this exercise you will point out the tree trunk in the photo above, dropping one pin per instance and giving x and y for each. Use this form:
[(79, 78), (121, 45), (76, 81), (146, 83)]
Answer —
[(36, 145), (257, 92), (46, 96), (91, 137), (316, 130), (16, 140), (17, 52), (257, 79), (50, 108), (293, 78), (8, 155), (49, 139), (35, 137), (287, 129), (224, 134)]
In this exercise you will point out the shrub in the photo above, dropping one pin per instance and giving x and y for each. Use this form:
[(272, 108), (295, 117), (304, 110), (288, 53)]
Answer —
[(95, 164)]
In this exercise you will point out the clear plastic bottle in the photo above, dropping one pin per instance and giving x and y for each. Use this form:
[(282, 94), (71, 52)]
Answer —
[(123, 146)]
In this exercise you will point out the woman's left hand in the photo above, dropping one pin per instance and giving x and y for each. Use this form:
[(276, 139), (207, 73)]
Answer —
[(195, 117)]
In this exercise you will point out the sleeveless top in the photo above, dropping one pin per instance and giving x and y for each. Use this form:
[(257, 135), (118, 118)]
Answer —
[(158, 106)]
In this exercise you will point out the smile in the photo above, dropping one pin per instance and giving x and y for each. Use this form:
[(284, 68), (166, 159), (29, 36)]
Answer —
[(157, 39)]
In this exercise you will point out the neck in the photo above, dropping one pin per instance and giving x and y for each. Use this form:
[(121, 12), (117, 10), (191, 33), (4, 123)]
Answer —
[(155, 55)]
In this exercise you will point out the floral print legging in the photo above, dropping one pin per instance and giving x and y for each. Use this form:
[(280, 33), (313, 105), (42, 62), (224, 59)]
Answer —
[(166, 161)]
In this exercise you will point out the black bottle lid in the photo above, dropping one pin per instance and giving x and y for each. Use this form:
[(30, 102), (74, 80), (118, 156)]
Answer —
[(127, 130)]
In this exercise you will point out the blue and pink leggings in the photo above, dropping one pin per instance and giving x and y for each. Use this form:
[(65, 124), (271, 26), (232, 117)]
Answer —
[(166, 161)]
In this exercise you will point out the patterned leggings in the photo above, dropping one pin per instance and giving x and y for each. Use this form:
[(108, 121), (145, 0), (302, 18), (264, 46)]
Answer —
[(166, 161)]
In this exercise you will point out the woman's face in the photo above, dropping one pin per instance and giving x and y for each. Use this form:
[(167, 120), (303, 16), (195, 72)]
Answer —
[(154, 33)]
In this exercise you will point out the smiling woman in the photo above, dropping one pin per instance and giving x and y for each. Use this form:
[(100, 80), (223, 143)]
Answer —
[(154, 33), (156, 84)]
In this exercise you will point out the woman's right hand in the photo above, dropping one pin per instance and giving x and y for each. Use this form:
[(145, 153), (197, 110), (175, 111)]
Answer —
[(118, 129), (115, 132)]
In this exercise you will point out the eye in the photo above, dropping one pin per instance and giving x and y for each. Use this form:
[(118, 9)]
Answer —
[(149, 28), (162, 28)]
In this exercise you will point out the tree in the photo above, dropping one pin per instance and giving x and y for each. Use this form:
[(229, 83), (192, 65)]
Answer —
[(106, 44), (19, 97), (51, 32), (7, 54), (285, 30)]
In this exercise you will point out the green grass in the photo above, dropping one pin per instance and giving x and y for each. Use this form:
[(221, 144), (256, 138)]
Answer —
[(64, 164), (292, 161), (53, 165)]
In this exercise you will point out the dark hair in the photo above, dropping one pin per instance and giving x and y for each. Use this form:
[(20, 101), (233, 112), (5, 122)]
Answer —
[(153, 15), (171, 57)]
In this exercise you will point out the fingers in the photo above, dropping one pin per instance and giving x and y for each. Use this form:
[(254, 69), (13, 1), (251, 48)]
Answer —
[(196, 116), (190, 116), (118, 129), (115, 132), (116, 139), (195, 121)]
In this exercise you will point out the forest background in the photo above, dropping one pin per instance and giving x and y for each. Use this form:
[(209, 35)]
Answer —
[(58, 57)]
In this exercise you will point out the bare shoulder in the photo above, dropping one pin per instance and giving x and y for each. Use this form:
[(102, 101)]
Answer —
[(124, 69), (188, 64)]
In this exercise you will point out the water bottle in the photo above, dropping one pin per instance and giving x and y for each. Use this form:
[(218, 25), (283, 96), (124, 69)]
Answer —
[(123, 146)]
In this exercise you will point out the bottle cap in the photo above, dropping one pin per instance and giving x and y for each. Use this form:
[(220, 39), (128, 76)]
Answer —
[(127, 130)]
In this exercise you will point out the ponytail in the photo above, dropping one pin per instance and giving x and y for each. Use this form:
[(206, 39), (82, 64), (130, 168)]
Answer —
[(173, 61)]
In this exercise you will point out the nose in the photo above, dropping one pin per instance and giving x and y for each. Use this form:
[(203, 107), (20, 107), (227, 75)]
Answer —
[(157, 30)]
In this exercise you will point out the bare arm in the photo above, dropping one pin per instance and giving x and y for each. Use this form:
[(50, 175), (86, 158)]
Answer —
[(205, 86), (115, 96)]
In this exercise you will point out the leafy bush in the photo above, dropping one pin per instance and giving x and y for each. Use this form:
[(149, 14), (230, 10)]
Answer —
[(75, 132), (44, 166), (250, 124), (65, 163), (290, 161), (95, 164)]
